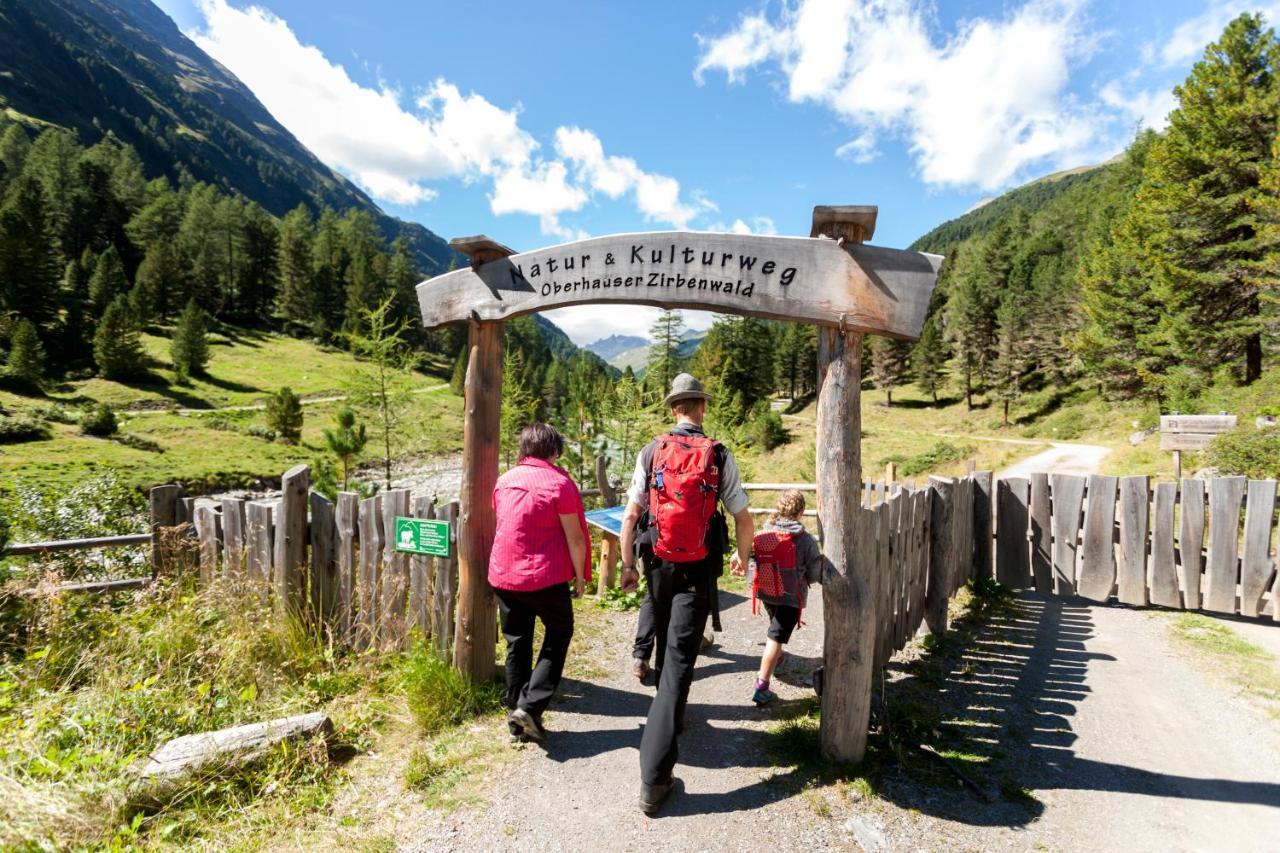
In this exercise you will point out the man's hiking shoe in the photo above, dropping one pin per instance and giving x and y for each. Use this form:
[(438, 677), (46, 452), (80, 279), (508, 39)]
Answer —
[(532, 728), (640, 669), (652, 796), (763, 696)]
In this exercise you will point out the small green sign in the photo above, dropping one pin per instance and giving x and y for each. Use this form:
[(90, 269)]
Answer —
[(422, 536)]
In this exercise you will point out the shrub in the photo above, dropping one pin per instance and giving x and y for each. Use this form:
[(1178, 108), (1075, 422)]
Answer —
[(99, 420), (941, 453), (100, 507), (16, 428), (56, 414), (137, 442), (767, 431), (1247, 452), (438, 695), (1065, 425), (258, 431), (284, 415)]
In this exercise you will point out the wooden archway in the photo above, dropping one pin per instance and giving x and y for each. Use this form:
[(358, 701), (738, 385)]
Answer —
[(831, 278)]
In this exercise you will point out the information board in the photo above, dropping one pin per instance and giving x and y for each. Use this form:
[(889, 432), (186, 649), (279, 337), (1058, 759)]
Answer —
[(427, 536)]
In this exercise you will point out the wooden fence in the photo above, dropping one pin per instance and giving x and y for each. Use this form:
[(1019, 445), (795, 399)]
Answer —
[(335, 562), (1100, 536)]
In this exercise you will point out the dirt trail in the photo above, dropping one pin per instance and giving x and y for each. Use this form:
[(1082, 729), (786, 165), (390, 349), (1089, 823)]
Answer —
[(1060, 458), (1124, 743), (258, 407)]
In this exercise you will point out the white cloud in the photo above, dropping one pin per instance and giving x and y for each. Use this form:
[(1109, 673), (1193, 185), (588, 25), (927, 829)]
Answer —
[(976, 106), (394, 152), (758, 225), (1189, 38), (585, 324), (1146, 108)]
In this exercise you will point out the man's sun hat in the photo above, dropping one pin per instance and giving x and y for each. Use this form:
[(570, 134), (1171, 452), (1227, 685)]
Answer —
[(685, 387)]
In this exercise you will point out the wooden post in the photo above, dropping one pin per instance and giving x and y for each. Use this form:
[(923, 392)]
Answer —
[(322, 557), (233, 519), (420, 567), (475, 644), (164, 515), (206, 524), (345, 521), (259, 548), (941, 554), (848, 609), (982, 540), (395, 571), (291, 538), (610, 551), (607, 493), (1177, 464), (445, 588)]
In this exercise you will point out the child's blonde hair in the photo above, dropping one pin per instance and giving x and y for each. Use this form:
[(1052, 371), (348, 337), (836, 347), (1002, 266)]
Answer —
[(790, 505)]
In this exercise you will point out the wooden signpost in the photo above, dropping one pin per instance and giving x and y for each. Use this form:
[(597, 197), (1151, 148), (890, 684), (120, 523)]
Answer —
[(830, 279), (1191, 432)]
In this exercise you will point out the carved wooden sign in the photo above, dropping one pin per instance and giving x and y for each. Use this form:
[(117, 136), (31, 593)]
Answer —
[(854, 286)]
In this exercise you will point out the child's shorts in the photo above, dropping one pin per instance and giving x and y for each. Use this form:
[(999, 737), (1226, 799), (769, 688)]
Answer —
[(782, 621)]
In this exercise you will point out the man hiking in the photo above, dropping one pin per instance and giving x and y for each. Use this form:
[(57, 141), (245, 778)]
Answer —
[(671, 515)]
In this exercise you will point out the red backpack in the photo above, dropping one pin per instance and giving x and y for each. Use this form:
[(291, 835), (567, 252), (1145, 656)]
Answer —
[(775, 575), (683, 489)]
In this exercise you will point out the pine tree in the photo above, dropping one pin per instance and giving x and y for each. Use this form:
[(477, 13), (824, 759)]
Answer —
[(160, 277), (664, 361), (14, 146), (929, 358), (108, 280), (259, 274), (189, 348), (518, 405), (26, 355), (117, 349), (284, 415), (890, 365), (346, 441), (1203, 189), (28, 255), (295, 300), (797, 358), (1011, 349), (380, 386)]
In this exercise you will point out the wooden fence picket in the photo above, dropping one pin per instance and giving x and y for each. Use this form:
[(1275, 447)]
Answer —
[(370, 570), (1191, 541), (322, 581), (1068, 501), (233, 537), (445, 587), (259, 546), (206, 524), (1226, 494), (1041, 534), (291, 539), (1097, 574), (1013, 567), (1164, 578), (982, 539), (420, 569), (1256, 565), (345, 519), (395, 571), (1135, 503)]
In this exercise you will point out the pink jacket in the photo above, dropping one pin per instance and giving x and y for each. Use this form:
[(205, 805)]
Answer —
[(530, 551)]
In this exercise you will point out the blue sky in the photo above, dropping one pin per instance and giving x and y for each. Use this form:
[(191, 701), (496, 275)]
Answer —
[(536, 123)]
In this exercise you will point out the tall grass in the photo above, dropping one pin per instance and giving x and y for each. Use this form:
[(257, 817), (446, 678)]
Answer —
[(438, 695)]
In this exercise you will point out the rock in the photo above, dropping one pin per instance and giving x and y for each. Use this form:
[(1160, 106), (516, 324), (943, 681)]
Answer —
[(1142, 435), (167, 770), (869, 838), (1264, 421)]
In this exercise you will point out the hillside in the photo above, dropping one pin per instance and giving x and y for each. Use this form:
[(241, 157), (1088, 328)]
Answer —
[(608, 348), (637, 355), (122, 67)]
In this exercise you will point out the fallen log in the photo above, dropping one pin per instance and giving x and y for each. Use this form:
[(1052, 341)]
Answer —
[(174, 766)]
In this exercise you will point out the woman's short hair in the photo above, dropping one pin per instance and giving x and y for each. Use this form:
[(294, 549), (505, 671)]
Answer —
[(790, 504), (541, 441)]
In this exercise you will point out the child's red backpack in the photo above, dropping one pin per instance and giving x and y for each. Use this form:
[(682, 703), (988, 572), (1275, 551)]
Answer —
[(775, 573), (683, 490)]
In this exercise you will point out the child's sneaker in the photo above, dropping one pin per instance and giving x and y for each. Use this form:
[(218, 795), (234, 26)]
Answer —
[(763, 696)]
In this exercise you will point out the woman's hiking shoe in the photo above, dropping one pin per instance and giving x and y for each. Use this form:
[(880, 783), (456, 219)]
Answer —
[(532, 728), (640, 669), (652, 796), (763, 696)]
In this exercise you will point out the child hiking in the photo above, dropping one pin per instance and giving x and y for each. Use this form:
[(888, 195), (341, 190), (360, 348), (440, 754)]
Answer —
[(785, 561)]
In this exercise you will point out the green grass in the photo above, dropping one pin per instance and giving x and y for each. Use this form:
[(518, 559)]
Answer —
[(214, 448), (1249, 667)]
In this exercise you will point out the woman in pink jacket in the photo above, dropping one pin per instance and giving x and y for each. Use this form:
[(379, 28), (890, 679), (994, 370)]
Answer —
[(541, 548)]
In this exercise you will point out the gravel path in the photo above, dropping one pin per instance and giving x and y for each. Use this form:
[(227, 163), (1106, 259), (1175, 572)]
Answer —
[(1123, 742), (1060, 458)]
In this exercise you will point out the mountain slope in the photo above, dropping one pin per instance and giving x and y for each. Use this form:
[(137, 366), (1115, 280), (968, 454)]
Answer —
[(123, 67), (561, 346), (608, 348)]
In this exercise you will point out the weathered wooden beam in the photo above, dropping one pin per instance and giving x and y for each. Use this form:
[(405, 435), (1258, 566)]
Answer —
[(1135, 504), (1256, 564), (163, 502), (1191, 541), (28, 549), (477, 624), (291, 538), (850, 286)]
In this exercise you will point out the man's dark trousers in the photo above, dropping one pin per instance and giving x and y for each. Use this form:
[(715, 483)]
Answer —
[(681, 604), (645, 628), (529, 687)]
